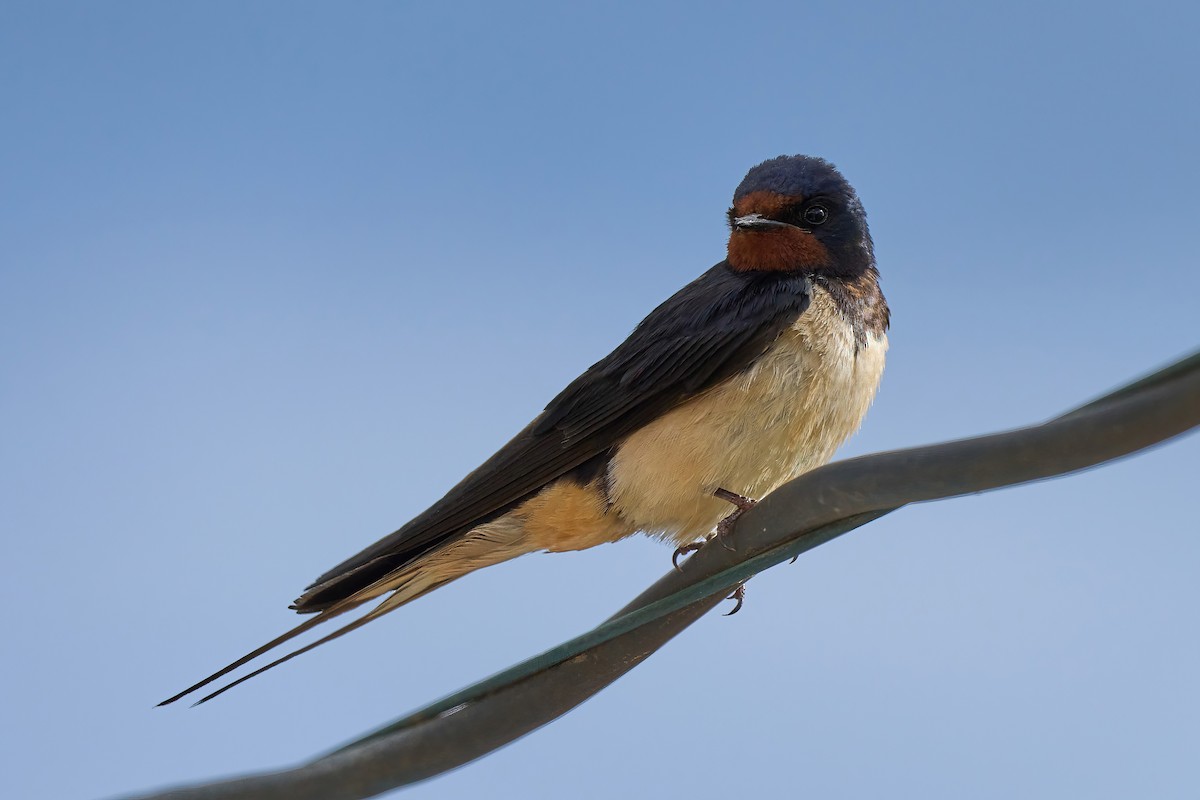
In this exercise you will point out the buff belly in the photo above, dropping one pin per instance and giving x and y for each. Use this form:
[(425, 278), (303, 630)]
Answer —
[(784, 416)]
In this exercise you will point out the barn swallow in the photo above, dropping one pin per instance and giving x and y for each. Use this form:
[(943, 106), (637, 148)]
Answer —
[(750, 375)]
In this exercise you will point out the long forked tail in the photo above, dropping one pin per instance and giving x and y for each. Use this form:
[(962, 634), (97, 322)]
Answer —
[(488, 544), (378, 611), (333, 611)]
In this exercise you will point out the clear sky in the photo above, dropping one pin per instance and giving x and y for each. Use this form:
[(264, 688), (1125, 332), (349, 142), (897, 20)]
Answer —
[(273, 276)]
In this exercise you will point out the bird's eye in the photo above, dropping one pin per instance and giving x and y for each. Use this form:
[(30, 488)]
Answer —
[(816, 215)]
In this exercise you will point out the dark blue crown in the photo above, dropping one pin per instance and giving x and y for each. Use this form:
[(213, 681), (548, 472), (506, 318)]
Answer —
[(795, 175)]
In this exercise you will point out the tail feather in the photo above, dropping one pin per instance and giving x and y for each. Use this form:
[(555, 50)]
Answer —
[(358, 623), (324, 594), (333, 611), (487, 544), (403, 595)]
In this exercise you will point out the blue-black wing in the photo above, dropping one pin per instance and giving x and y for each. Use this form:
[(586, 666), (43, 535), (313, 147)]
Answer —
[(706, 332)]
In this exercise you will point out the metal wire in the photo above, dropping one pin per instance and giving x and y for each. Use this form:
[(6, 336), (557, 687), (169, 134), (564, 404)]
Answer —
[(801, 515)]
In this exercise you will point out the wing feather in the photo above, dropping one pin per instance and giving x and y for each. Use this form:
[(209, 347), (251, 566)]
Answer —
[(708, 331)]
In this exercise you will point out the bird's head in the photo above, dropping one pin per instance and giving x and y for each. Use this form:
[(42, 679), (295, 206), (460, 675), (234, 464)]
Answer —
[(798, 214)]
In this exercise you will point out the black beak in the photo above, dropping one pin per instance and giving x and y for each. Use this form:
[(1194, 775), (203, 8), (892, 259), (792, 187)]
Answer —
[(757, 222)]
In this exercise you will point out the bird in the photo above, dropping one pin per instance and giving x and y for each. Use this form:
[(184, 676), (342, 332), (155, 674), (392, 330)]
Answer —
[(750, 375)]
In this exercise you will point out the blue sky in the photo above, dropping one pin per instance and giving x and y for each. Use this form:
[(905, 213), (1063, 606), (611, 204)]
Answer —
[(274, 276)]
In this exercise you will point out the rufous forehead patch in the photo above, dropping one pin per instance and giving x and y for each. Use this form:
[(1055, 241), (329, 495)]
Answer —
[(769, 204)]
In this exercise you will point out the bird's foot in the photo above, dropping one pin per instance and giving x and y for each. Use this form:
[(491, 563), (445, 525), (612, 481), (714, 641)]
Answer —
[(740, 506), (739, 595)]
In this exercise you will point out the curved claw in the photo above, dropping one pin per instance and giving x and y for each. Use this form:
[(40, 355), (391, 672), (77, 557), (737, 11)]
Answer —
[(684, 549), (739, 594)]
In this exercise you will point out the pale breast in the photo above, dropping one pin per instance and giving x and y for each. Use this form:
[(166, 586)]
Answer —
[(785, 415)]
